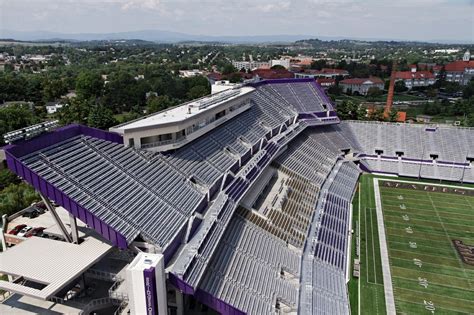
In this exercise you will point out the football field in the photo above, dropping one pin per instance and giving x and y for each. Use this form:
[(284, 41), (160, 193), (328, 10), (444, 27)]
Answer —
[(421, 221)]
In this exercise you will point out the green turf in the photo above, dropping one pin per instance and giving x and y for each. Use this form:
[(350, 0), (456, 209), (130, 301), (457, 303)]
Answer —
[(372, 300), (435, 219)]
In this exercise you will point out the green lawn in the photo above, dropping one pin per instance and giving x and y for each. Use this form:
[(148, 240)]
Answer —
[(435, 219)]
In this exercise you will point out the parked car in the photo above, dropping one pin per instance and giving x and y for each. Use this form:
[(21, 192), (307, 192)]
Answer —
[(38, 231), (24, 230), (40, 205), (32, 212), (17, 229)]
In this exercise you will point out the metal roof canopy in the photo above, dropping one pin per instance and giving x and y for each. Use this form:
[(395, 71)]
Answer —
[(52, 263)]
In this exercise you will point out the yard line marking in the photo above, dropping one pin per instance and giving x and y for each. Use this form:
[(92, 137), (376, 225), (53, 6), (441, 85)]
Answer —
[(432, 273), (451, 243), (470, 204)]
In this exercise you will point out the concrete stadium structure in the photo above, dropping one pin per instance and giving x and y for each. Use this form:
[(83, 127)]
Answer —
[(251, 216)]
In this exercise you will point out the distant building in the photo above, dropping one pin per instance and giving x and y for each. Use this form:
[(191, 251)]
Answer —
[(250, 65), (414, 78), (327, 73), (424, 118), (269, 74), (280, 62), (326, 83), (213, 77), (361, 85), (222, 85), (460, 71), (151, 94), (53, 107), (191, 73)]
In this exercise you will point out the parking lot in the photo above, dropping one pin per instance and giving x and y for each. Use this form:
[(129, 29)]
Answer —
[(45, 220)]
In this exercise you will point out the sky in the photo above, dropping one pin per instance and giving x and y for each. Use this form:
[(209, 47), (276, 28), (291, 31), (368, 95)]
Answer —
[(389, 19)]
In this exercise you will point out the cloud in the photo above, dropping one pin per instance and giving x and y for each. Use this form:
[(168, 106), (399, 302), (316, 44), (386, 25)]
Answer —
[(273, 7), (141, 4)]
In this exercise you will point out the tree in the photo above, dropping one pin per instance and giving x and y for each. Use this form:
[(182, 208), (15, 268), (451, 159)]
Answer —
[(234, 77), (374, 92), (278, 67), (468, 90), (89, 85), (375, 113), (431, 108), (400, 86), (469, 121), (7, 177), (343, 110), (228, 69), (53, 89), (101, 117), (335, 90), (318, 64), (16, 197), (350, 110), (75, 111), (197, 92), (157, 103), (15, 117), (393, 115)]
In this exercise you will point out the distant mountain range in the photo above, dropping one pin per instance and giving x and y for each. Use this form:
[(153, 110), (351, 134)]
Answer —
[(147, 35), (175, 37)]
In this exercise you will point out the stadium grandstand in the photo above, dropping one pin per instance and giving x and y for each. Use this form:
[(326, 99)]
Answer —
[(236, 203)]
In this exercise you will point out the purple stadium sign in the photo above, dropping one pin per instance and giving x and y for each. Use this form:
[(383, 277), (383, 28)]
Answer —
[(150, 291)]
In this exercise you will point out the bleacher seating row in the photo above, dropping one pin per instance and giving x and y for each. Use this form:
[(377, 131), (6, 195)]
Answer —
[(207, 158), (422, 170), (325, 254), (415, 141), (118, 186), (247, 271), (297, 95), (308, 158), (193, 270)]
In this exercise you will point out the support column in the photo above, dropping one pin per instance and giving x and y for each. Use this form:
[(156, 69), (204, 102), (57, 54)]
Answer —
[(73, 223), (179, 303), (56, 218)]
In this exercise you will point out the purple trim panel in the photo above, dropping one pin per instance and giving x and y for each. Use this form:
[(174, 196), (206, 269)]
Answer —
[(151, 301), (59, 135), (306, 116), (364, 168), (323, 94), (180, 284)]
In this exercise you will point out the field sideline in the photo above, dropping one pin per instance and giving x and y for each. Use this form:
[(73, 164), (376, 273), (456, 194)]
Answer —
[(428, 276)]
